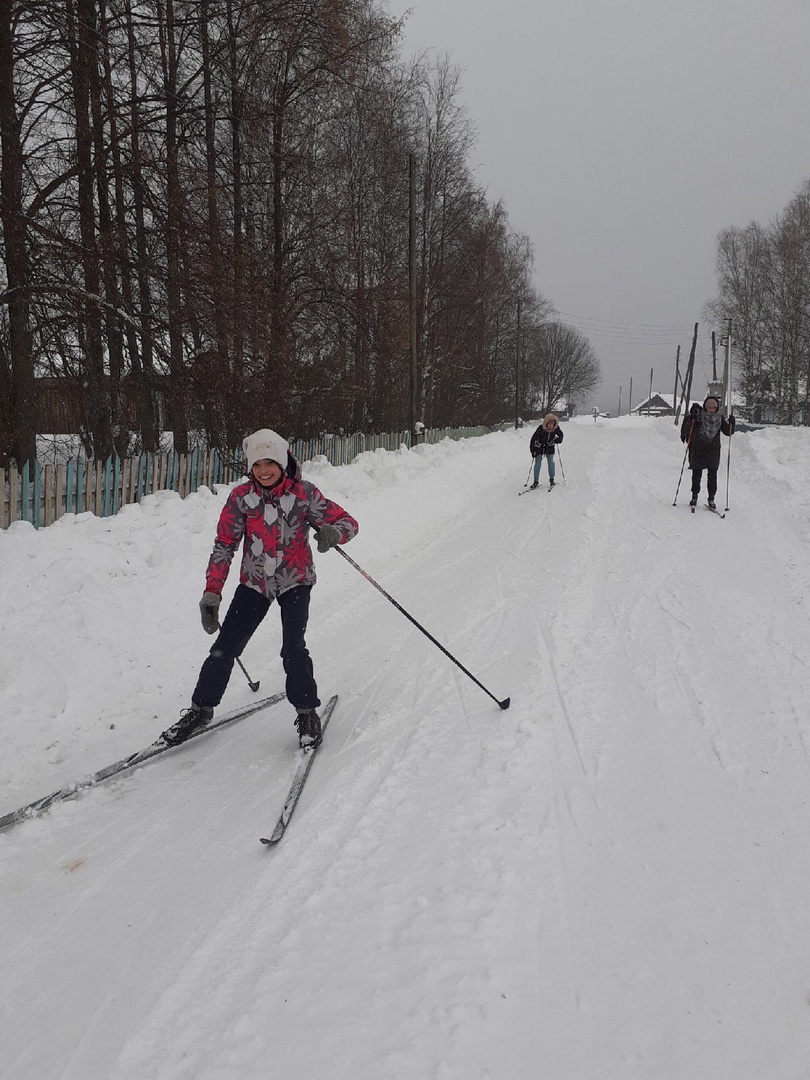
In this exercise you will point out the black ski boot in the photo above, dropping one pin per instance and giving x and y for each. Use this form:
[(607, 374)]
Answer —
[(534, 485), (190, 720), (712, 505), (551, 482), (693, 501), (308, 724)]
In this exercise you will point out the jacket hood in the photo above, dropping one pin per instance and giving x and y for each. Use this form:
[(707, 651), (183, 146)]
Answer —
[(292, 475)]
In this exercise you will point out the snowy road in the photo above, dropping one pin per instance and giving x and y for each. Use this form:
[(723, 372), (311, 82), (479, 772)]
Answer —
[(610, 880)]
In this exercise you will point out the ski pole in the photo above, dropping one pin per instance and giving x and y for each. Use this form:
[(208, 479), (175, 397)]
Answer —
[(559, 458), (501, 704), (729, 405), (529, 474), (683, 463), (254, 686)]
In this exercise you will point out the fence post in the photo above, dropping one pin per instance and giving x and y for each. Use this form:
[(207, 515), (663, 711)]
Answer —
[(116, 479), (81, 485), (98, 489), (69, 482), (14, 512), (38, 515), (106, 477), (16, 502), (47, 494)]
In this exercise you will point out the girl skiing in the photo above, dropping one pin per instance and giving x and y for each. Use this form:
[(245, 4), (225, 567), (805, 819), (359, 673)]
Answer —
[(273, 513), (542, 446)]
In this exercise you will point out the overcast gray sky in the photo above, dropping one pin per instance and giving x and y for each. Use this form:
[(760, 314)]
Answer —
[(622, 136)]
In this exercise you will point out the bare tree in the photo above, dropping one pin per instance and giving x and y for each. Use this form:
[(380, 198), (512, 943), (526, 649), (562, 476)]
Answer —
[(209, 199), (446, 138), (743, 267), (18, 412), (82, 39), (143, 299), (764, 288), (790, 296), (562, 366)]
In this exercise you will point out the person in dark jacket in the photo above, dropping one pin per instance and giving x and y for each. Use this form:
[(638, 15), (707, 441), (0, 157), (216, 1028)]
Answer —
[(701, 431), (271, 516), (542, 445)]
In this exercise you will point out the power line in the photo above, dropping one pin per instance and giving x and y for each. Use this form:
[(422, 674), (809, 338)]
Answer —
[(666, 328)]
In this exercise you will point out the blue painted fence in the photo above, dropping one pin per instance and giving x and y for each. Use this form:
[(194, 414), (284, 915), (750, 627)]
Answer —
[(42, 493)]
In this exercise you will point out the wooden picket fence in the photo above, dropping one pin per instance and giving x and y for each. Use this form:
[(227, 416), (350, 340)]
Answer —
[(42, 493)]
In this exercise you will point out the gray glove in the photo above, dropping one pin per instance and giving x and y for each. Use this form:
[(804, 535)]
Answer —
[(328, 537), (209, 612)]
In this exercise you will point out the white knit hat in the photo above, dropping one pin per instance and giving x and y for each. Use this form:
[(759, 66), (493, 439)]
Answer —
[(265, 444)]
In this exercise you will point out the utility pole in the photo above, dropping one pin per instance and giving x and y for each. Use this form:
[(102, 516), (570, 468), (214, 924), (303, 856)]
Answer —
[(677, 377), (619, 413), (686, 382), (412, 288), (650, 395), (630, 398), (727, 372), (717, 387), (517, 364), (714, 357)]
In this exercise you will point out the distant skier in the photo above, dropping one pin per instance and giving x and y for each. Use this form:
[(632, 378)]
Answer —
[(273, 513), (542, 445), (701, 430), (594, 413)]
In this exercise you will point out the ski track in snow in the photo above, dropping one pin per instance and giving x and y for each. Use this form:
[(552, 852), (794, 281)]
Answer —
[(609, 880)]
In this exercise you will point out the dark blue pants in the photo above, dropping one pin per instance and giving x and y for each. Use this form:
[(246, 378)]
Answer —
[(711, 482), (245, 613)]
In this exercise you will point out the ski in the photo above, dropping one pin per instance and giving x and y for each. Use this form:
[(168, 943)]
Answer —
[(714, 510), (154, 750), (305, 759), (526, 490)]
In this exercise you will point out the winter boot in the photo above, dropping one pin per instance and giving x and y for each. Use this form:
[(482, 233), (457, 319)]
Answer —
[(551, 482), (190, 720), (693, 501), (308, 724), (712, 505), (534, 485)]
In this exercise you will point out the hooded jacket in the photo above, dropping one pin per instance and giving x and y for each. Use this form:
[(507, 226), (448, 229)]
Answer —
[(543, 441), (274, 524)]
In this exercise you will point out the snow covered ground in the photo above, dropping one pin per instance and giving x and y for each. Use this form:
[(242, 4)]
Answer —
[(609, 880)]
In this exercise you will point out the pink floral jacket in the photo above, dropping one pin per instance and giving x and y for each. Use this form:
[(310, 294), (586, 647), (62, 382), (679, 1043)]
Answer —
[(275, 525)]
